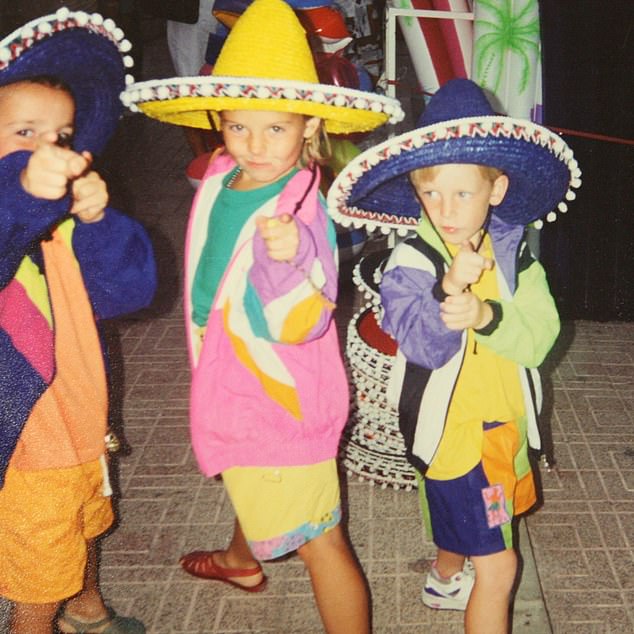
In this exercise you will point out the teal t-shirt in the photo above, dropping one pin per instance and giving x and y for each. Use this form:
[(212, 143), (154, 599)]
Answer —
[(230, 211)]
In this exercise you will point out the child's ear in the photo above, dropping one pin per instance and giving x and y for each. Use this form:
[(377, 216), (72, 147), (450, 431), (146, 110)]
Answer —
[(500, 185), (311, 127)]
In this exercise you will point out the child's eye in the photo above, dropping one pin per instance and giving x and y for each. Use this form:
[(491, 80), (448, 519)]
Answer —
[(27, 133), (464, 194), (64, 139), (277, 128)]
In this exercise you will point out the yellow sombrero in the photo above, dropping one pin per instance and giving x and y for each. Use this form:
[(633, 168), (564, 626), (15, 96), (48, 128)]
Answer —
[(265, 64)]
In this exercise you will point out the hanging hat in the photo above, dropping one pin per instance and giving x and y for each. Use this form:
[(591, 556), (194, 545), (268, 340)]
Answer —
[(457, 126), (329, 25), (327, 22), (228, 11), (265, 64), (87, 53)]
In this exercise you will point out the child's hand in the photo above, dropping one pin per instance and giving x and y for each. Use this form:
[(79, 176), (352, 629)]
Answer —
[(465, 310), (466, 269), (90, 196), (280, 235), (50, 168)]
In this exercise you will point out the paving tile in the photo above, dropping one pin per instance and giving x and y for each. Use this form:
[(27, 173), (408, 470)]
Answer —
[(589, 612), (173, 614)]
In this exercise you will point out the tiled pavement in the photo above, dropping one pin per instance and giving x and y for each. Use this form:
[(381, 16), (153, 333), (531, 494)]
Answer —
[(579, 563)]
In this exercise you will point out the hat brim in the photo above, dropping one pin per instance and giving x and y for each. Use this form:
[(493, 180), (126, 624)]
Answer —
[(188, 100), (374, 190), (85, 57)]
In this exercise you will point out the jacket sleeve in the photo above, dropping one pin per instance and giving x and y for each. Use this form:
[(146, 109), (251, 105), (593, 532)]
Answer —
[(292, 302), (412, 311), (117, 264), (526, 326), (23, 218)]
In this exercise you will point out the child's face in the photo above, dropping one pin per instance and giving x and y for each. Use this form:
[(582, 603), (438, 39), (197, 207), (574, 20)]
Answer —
[(456, 198), (266, 145), (29, 111)]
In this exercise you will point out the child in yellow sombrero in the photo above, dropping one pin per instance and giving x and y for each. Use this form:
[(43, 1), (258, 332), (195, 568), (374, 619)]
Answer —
[(269, 394)]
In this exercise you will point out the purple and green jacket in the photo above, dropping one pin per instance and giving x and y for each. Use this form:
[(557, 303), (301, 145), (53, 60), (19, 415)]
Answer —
[(524, 327)]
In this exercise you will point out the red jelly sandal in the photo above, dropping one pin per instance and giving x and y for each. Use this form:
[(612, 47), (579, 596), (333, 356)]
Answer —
[(200, 563)]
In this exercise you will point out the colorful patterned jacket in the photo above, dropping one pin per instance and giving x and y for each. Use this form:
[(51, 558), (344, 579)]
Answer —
[(524, 328), (117, 265), (268, 383)]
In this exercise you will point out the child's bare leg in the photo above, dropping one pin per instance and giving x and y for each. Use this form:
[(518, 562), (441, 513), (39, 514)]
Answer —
[(340, 590), (448, 563), (33, 618), (88, 605), (239, 555), (488, 607)]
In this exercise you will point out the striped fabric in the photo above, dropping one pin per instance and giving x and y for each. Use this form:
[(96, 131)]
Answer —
[(26, 354)]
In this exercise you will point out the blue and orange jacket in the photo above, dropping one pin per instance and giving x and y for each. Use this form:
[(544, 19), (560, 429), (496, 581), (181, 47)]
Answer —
[(117, 265)]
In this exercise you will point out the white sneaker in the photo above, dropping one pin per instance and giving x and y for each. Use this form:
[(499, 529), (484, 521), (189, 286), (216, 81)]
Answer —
[(452, 594)]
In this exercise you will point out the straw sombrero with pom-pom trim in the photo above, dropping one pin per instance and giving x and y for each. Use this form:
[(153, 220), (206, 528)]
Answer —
[(457, 126), (87, 53), (265, 64)]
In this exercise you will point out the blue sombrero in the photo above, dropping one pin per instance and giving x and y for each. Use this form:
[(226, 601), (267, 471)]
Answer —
[(87, 53), (457, 126)]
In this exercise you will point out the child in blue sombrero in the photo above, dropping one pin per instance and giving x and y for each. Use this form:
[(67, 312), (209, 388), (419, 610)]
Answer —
[(472, 314), (67, 260)]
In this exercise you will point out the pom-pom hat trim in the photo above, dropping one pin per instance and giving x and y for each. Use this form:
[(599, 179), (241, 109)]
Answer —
[(373, 190), (188, 99), (86, 52)]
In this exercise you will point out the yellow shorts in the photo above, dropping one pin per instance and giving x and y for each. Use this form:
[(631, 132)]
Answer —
[(46, 519), (282, 508)]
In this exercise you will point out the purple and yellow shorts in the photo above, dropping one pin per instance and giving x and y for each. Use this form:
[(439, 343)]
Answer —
[(472, 514)]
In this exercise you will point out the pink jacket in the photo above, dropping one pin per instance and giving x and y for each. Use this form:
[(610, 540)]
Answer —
[(268, 383)]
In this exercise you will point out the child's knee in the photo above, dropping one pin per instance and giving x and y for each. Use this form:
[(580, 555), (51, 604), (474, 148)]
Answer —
[(497, 571), (330, 541)]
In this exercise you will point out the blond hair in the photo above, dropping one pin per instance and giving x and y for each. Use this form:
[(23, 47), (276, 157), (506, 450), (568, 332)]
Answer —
[(316, 148), (427, 173)]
